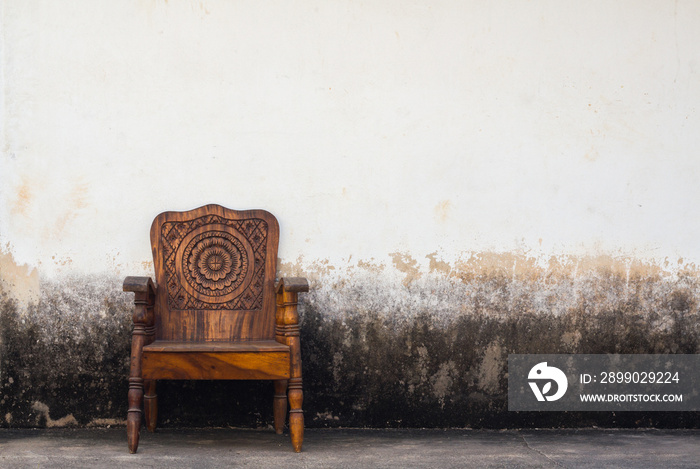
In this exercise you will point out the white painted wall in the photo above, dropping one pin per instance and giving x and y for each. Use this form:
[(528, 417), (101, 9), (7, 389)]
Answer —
[(367, 127)]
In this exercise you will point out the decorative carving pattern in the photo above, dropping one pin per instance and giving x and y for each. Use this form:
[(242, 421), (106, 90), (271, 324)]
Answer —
[(214, 263)]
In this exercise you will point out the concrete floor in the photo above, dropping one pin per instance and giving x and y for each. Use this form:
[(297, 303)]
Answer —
[(352, 448)]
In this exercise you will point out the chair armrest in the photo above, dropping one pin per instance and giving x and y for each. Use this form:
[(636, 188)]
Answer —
[(286, 317), (144, 290), (139, 285), (292, 284)]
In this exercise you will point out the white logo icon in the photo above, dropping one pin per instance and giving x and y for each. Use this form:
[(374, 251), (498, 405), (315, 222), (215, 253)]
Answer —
[(542, 372)]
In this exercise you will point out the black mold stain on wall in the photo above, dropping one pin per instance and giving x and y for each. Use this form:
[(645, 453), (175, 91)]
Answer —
[(63, 360), (432, 353), (450, 370)]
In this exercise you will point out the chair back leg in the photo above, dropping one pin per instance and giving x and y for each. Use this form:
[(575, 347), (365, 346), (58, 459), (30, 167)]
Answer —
[(150, 405), (279, 405)]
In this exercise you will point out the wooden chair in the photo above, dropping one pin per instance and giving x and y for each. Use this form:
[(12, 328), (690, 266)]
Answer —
[(211, 312)]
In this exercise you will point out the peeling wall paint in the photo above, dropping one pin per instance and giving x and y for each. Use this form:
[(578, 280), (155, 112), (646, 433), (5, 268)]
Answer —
[(20, 281), (378, 350)]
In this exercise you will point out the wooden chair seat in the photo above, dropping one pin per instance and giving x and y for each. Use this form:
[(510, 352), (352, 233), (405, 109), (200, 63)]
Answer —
[(264, 359), (215, 311)]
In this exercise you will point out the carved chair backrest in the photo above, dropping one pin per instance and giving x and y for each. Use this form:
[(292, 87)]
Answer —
[(215, 270)]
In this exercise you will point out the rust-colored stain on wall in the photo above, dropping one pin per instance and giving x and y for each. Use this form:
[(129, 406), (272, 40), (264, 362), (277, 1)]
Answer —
[(77, 202), (23, 198), (442, 210)]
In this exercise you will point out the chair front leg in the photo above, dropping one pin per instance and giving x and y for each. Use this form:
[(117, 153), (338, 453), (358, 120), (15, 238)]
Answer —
[(143, 333), (296, 414), (135, 396), (287, 320)]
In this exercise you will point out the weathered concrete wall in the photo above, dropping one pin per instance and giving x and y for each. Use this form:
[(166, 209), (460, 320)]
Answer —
[(460, 180), (427, 350)]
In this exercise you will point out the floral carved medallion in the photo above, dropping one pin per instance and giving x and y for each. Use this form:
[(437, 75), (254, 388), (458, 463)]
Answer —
[(214, 263)]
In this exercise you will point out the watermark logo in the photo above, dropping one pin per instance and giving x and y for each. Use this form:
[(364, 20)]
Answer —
[(541, 373), (603, 382)]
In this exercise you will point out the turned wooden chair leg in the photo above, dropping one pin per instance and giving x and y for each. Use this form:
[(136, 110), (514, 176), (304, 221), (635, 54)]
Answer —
[(288, 329), (135, 396), (279, 405), (296, 415), (150, 405), (133, 418)]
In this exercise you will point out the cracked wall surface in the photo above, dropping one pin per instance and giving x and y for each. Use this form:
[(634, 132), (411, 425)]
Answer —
[(382, 345)]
